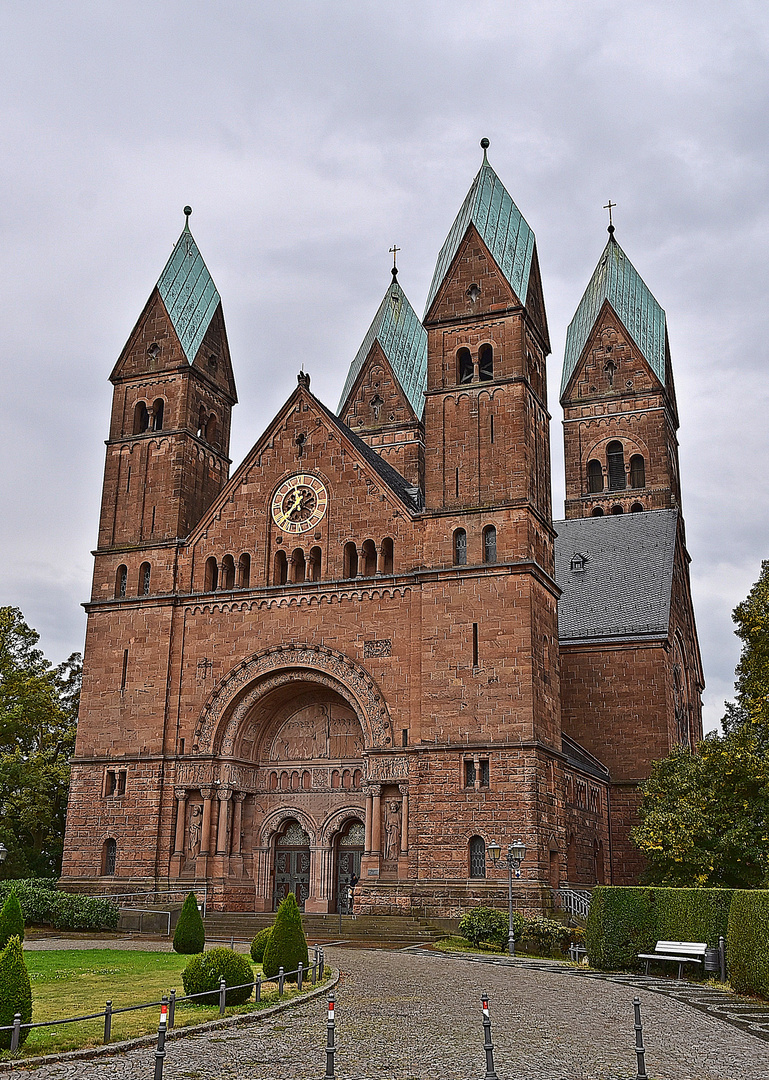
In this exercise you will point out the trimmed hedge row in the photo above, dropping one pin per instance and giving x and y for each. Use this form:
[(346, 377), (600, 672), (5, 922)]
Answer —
[(747, 948), (625, 921), (43, 905)]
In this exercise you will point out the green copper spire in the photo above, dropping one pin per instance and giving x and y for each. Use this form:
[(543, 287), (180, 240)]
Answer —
[(616, 279), (188, 292), (501, 226), (403, 340)]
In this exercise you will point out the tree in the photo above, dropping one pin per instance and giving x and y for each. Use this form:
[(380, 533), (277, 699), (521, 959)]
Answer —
[(11, 920), (287, 946), (15, 991), (705, 815), (190, 933), (38, 718)]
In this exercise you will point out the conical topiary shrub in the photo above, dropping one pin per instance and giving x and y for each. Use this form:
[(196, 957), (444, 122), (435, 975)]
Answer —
[(190, 934), (11, 920), (287, 947), (15, 991), (259, 944)]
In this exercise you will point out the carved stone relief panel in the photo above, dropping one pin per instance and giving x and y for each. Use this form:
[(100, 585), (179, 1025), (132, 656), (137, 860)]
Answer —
[(317, 731)]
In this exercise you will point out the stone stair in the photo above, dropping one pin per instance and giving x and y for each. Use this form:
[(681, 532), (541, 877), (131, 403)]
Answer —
[(379, 931)]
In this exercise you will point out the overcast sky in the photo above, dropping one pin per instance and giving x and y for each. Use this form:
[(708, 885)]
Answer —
[(308, 137)]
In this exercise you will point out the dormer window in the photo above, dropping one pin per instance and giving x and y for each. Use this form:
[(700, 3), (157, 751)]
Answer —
[(578, 563)]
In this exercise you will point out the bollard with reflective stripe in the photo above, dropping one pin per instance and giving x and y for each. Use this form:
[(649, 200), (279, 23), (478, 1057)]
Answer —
[(160, 1050), (330, 1046), (107, 1022), (488, 1046), (640, 1050)]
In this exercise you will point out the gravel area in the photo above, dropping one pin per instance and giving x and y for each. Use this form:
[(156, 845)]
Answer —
[(412, 1015)]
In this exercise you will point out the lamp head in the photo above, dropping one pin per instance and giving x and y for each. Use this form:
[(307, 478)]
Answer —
[(494, 851), (518, 850)]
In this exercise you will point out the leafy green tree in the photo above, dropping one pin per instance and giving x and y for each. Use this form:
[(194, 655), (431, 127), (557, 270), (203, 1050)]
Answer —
[(287, 945), (751, 708), (38, 718), (11, 920), (190, 933), (15, 991)]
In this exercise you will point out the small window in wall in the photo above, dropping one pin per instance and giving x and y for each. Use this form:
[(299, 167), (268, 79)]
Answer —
[(368, 559), (115, 782), (145, 571), (464, 366), (597, 511), (594, 476), (615, 460), (616, 509), (141, 418), (314, 568), (637, 471), (157, 414), (298, 566), (460, 547), (211, 429), (490, 544), (228, 572), (109, 858), (477, 849), (636, 508), (280, 576), (350, 560), (476, 772), (388, 561), (486, 363), (212, 575), (244, 571), (121, 581)]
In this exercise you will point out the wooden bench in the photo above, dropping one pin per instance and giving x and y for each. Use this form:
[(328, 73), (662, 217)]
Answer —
[(680, 952)]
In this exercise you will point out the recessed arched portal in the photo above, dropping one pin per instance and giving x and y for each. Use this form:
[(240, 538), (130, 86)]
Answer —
[(292, 864), (348, 850)]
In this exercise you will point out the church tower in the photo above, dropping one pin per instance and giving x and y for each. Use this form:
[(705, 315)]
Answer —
[(617, 393)]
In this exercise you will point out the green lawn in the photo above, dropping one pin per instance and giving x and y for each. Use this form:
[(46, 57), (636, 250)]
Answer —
[(76, 982)]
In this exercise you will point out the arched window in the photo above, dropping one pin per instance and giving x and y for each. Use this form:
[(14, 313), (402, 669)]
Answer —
[(460, 547), (141, 418), (211, 428), (636, 508), (615, 460), (350, 560), (490, 544), (486, 363), (616, 509), (298, 566), (201, 432), (594, 476), (464, 366), (280, 576), (637, 471), (388, 556), (315, 563), (121, 581), (477, 857), (109, 857), (244, 570), (228, 572), (368, 559), (157, 414), (144, 579), (597, 511), (212, 575)]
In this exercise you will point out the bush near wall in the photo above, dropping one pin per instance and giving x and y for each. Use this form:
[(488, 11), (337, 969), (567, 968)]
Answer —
[(625, 921), (747, 948), (43, 905)]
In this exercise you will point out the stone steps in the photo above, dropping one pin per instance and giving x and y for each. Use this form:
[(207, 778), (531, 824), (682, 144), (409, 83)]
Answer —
[(385, 929)]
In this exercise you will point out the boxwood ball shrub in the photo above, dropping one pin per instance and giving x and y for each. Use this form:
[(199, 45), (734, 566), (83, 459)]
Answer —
[(190, 934), (747, 948), (490, 926), (287, 946), (204, 972), (550, 938), (259, 944), (15, 991), (11, 920)]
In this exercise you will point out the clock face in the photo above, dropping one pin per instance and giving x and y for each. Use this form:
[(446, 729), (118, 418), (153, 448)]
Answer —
[(299, 503)]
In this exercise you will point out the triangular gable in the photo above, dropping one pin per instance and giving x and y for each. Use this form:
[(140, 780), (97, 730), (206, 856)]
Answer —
[(403, 340), (616, 279), (503, 229), (357, 403), (473, 263)]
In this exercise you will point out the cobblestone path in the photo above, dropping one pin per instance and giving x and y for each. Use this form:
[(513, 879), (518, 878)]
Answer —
[(409, 1015)]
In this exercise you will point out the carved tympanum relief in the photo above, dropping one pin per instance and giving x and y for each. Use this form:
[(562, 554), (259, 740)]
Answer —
[(318, 731)]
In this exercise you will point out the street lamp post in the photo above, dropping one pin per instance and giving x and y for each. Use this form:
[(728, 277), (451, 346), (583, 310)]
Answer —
[(516, 853)]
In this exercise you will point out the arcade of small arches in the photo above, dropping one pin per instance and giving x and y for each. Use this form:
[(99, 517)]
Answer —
[(616, 474), (489, 539)]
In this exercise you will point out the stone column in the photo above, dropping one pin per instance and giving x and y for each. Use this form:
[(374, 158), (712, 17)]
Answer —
[(224, 795), (205, 832), (181, 814), (368, 825), (237, 824), (380, 559), (404, 821), (376, 821)]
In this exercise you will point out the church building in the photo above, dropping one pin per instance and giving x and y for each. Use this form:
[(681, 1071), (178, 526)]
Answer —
[(370, 650)]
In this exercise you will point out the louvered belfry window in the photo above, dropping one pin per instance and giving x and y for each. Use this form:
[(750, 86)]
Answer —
[(615, 459)]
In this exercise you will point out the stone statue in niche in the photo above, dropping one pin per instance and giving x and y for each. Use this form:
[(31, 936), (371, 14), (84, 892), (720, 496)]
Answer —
[(318, 731), (392, 830), (194, 830)]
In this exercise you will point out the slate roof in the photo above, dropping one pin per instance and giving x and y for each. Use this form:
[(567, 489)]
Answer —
[(502, 227), (403, 340), (581, 758), (616, 279), (625, 587), (188, 292)]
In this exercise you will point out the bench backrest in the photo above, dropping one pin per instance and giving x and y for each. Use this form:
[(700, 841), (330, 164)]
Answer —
[(682, 948)]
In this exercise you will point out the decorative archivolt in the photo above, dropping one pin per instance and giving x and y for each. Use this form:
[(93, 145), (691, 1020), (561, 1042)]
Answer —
[(233, 699), (275, 821), (334, 822)]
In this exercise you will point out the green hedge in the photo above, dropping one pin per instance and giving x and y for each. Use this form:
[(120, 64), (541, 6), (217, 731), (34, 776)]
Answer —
[(747, 947), (43, 905), (625, 921)]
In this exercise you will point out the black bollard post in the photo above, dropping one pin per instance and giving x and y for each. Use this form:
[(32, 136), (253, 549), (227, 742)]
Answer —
[(488, 1046), (107, 1022), (222, 996), (281, 978), (330, 1047), (321, 968), (160, 1050), (722, 957), (171, 1009), (299, 974), (640, 1050), (16, 1033)]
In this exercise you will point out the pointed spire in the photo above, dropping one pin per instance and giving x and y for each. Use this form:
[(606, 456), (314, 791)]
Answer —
[(188, 291)]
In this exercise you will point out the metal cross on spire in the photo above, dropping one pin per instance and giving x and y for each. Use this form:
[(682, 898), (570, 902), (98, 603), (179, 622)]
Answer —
[(609, 206), (394, 252)]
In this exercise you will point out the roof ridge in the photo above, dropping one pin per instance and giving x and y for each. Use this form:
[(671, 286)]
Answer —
[(188, 292)]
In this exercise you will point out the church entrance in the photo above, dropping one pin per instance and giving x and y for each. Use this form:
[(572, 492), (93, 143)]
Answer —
[(349, 849), (292, 865)]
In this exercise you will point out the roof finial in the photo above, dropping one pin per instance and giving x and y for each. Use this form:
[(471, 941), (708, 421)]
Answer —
[(485, 145), (608, 207), (394, 252), (187, 212), (303, 378)]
